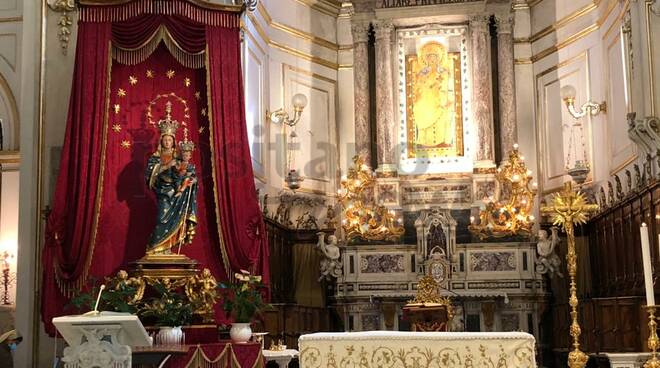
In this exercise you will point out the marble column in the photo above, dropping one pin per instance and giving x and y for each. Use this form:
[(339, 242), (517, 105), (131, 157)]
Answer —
[(361, 89), (507, 88), (482, 101), (386, 127)]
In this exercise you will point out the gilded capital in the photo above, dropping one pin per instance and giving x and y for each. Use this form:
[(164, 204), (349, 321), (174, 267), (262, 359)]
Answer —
[(360, 31)]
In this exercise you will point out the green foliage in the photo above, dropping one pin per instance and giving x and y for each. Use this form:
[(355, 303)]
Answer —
[(243, 300), (112, 299), (169, 308)]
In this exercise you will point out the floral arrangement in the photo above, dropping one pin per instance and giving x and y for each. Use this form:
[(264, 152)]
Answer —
[(243, 300)]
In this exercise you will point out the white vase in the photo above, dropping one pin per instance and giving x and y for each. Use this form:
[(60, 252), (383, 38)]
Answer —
[(170, 336), (240, 332)]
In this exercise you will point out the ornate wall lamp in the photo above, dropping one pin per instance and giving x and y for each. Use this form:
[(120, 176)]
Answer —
[(279, 116), (592, 108)]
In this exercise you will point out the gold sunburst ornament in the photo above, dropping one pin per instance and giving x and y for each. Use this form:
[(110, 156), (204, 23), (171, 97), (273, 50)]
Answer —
[(363, 219), (569, 208)]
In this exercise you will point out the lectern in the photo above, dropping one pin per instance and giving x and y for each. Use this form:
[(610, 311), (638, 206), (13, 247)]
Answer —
[(101, 340)]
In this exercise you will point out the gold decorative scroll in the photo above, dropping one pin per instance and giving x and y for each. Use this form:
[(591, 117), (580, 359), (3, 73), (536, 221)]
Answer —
[(434, 102)]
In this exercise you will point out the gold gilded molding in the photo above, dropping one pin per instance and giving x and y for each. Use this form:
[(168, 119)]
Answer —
[(11, 19), (254, 40), (262, 33), (649, 50), (305, 36), (309, 73), (616, 23), (295, 31), (327, 7), (65, 22), (13, 110), (568, 41), (522, 61), (608, 11), (560, 23), (304, 55)]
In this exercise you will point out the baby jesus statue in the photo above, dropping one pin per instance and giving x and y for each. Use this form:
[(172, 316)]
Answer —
[(185, 170)]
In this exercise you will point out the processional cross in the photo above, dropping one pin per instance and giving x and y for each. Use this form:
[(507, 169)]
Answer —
[(571, 208)]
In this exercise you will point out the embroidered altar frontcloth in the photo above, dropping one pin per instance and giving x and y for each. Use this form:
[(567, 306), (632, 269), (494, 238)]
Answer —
[(392, 349)]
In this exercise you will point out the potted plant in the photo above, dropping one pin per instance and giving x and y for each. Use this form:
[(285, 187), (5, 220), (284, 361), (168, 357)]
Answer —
[(170, 310), (244, 302)]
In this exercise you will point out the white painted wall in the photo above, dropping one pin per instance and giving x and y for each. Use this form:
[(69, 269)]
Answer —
[(581, 43)]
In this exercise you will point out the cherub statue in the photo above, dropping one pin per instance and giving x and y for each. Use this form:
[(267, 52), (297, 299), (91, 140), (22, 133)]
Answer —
[(619, 188), (647, 168), (610, 193), (548, 261), (638, 176), (202, 291), (603, 198), (330, 217), (122, 282), (628, 182), (657, 160), (331, 263)]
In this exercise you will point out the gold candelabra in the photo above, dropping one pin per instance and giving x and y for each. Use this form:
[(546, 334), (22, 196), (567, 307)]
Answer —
[(571, 208), (513, 215), (363, 219), (653, 342)]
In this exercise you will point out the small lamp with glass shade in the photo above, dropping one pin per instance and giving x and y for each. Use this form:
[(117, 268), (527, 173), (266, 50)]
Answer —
[(568, 94), (279, 116)]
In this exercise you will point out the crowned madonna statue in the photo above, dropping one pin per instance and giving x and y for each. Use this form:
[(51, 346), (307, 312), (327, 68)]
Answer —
[(171, 176)]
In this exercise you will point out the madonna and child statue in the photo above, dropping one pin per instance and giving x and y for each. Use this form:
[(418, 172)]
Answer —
[(171, 176)]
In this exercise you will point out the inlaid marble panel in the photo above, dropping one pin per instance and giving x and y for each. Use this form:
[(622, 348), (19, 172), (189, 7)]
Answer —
[(492, 261), (382, 263)]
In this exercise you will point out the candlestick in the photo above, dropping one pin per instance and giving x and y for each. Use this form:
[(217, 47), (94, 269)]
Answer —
[(652, 341), (646, 261)]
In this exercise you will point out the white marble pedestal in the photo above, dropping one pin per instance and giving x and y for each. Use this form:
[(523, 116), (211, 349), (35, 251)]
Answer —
[(282, 357), (627, 360)]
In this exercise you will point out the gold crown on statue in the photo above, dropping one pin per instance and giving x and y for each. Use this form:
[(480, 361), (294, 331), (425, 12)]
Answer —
[(168, 126), (186, 145)]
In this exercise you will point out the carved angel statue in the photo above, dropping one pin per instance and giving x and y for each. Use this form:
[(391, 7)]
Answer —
[(202, 291), (548, 261), (331, 263)]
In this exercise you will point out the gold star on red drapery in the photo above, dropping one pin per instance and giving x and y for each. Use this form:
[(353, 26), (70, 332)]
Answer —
[(150, 73), (201, 130), (197, 95), (116, 128), (186, 82), (170, 74), (132, 80), (203, 111), (121, 92), (125, 144), (116, 107)]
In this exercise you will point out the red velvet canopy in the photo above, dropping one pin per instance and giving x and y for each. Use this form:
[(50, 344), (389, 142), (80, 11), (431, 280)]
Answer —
[(102, 211)]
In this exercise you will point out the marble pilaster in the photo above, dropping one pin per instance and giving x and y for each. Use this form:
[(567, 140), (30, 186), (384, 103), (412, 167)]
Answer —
[(482, 87), (507, 88), (360, 33), (386, 128)]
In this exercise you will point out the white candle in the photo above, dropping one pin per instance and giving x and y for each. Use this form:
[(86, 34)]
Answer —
[(646, 260)]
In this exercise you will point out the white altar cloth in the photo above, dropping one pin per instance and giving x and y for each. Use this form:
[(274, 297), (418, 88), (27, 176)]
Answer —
[(392, 349)]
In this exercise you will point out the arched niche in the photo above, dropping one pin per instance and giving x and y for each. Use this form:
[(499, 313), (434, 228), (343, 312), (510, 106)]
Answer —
[(9, 117)]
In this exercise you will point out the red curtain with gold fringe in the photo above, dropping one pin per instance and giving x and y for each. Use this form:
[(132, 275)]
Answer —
[(103, 212)]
